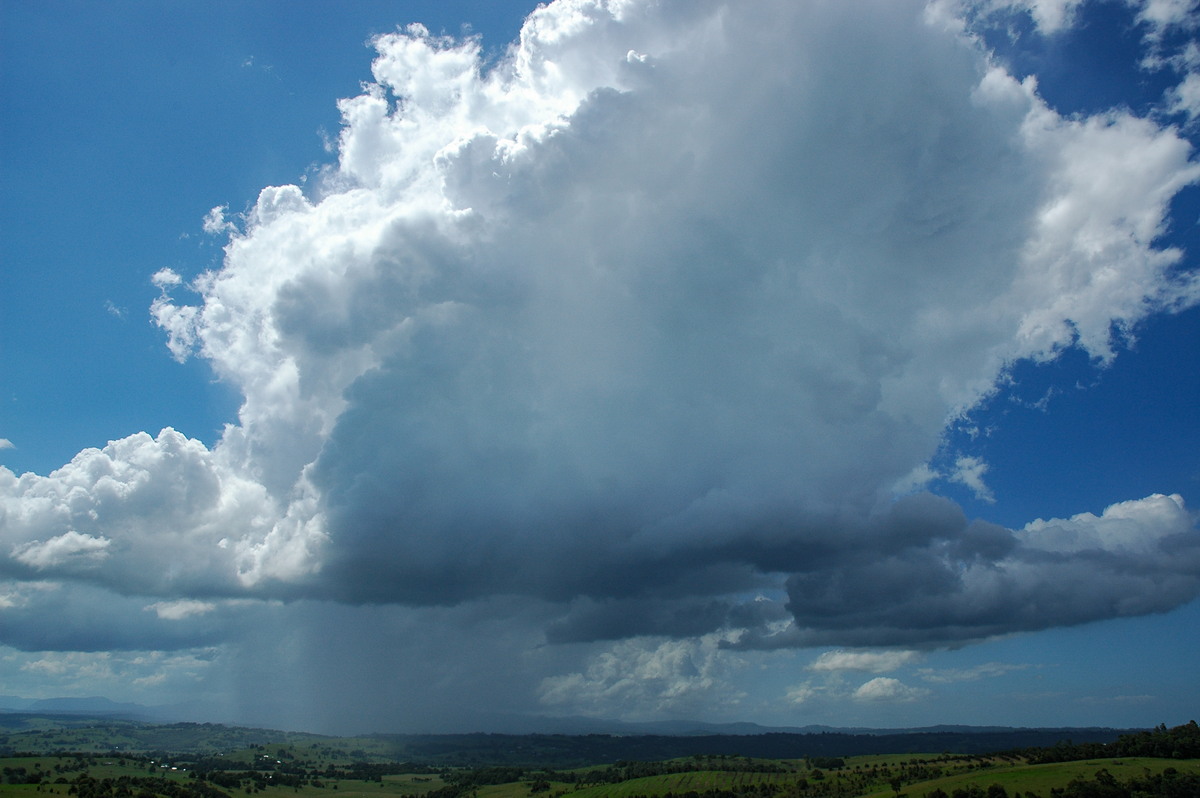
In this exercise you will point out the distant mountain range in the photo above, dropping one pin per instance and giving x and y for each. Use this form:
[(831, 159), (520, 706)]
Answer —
[(100, 707), (533, 724)]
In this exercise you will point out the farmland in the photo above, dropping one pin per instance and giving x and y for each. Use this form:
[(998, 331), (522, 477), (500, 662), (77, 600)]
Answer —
[(224, 762)]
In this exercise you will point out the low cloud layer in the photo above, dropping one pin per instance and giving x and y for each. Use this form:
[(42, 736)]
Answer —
[(642, 328), (1137, 558)]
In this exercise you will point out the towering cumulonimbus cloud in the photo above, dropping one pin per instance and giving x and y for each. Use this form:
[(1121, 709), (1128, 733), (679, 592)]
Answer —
[(649, 322)]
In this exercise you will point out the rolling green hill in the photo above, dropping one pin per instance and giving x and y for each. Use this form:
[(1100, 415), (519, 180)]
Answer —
[(121, 759)]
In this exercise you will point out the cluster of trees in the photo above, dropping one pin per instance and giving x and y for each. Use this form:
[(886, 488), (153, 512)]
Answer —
[(177, 740), (787, 781), (792, 788), (460, 781), (575, 751), (1180, 742), (371, 771), (249, 779), (1168, 784), (973, 791), (288, 771), (85, 786), (479, 777), (625, 771), (21, 775), (798, 789)]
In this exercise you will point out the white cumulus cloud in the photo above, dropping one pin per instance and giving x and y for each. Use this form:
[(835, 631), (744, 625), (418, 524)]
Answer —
[(672, 677), (180, 609), (628, 339), (69, 547), (884, 688), (873, 661), (216, 222)]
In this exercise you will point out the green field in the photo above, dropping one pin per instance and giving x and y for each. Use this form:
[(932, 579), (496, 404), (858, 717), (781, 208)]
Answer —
[(1019, 779), (219, 762), (860, 776)]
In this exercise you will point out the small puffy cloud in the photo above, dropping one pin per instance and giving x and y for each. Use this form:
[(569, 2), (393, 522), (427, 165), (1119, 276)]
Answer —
[(1153, 526), (1051, 16), (887, 689), (180, 609), (277, 202), (166, 278), (216, 223), (872, 661), (68, 548), (5, 443), (177, 320)]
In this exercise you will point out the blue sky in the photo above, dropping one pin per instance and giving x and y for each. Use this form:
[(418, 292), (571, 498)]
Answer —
[(795, 364)]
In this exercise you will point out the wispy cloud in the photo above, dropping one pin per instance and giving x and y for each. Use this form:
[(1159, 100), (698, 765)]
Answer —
[(1142, 698), (872, 661), (180, 609), (969, 471), (988, 670)]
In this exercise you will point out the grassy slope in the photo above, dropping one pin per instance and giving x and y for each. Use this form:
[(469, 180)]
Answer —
[(1019, 778), (862, 776), (1016, 778)]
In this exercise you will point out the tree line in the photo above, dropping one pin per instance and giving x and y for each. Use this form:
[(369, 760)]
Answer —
[(1180, 742)]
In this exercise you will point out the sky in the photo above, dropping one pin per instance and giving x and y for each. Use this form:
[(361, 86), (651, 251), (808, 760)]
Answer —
[(419, 366)]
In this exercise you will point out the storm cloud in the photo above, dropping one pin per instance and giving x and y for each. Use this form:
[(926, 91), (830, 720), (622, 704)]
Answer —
[(649, 328)]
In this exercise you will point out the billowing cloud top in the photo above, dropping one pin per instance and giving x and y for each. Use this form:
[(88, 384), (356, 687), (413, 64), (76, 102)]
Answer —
[(647, 323)]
